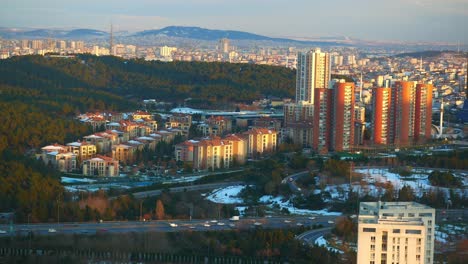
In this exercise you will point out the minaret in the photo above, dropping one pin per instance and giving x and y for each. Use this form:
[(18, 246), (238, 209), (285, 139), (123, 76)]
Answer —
[(111, 41)]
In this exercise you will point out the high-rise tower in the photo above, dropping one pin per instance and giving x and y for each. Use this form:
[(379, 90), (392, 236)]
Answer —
[(313, 71), (111, 41)]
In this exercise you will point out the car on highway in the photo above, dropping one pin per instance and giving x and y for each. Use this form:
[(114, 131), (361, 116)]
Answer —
[(312, 218), (206, 225), (220, 223), (191, 227), (257, 224), (331, 222), (232, 225), (287, 221), (173, 224), (51, 230), (3, 232), (299, 224), (214, 221)]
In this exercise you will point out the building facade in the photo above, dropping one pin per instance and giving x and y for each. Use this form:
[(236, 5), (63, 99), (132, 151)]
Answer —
[(101, 166), (381, 115), (313, 71), (395, 232), (342, 134)]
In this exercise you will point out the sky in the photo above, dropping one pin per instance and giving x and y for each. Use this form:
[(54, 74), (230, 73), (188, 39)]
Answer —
[(399, 20)]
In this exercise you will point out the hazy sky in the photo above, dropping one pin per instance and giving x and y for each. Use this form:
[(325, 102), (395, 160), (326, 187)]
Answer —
[(406, 20)]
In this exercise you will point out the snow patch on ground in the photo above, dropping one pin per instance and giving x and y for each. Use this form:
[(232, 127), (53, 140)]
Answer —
[(227, 195), (418, 181), (322, 242), (285, 203)]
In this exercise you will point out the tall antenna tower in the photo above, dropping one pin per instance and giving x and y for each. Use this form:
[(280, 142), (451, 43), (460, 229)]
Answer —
[(111, 41)]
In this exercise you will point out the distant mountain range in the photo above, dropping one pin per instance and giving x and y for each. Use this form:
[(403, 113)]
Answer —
[(195, 33), (176, 35)]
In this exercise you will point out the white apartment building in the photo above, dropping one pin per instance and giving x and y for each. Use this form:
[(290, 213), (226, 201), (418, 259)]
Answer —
[(395, 233), (313, 71)]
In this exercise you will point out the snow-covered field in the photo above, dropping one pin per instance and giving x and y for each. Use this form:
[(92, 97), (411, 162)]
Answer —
[(286, 203), (446, 232), (230, 195), (322, 242), (418, 181), (227, 195)]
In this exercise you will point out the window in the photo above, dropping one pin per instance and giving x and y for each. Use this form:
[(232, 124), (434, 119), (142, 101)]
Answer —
[(396, 231), (411, 231), (367, 230)]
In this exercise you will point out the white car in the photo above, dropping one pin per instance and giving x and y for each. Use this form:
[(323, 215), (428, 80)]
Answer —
[(51, 230), (3, 232), (173, 225), (214, 221), (299, 224), (287, 221), (331, 222), (257, 223), (206, 225), (220, 223), (312, 218)]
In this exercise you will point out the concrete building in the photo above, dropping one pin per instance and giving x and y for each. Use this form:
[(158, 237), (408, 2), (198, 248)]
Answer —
[(342, 132), (166, 51), (298, 123), (403, 97), (180, 121), (322, 121), (224, 45), (260, 141), (59, 157), (395, 232), (83, 150), (381, 115), (101, 166), (423, 112), (313, 71), (402, 115)]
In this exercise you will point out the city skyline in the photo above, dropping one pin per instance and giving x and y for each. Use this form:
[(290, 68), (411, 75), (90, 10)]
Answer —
[(400, 20)]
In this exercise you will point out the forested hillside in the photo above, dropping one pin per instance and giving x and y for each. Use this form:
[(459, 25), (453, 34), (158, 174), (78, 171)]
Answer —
[(214, 83), (41, 95)]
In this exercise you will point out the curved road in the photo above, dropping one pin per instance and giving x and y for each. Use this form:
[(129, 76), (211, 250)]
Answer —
[(164, 226)]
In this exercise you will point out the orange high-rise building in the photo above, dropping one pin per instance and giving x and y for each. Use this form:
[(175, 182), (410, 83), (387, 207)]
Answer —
[(342, 134), (381, 116), (322, 122), (423, 112), (403, 97), (402, 115)]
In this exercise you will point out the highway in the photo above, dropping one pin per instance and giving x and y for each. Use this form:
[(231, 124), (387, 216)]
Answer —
[(165, 225), (310, 236)]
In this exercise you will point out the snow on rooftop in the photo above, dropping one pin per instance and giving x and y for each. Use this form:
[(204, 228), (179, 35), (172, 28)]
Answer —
[(186, 110), (145, 138), (76, 180), (74, 144)]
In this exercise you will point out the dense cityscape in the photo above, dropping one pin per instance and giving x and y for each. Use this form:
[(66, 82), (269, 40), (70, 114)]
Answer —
[(193, 145)]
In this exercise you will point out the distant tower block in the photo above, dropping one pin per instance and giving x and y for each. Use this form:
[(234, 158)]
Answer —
[(224, 45), (111, 41)]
